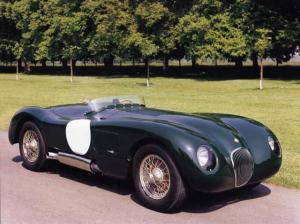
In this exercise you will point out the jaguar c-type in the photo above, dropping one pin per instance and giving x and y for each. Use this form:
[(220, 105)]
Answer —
[(166, 154)]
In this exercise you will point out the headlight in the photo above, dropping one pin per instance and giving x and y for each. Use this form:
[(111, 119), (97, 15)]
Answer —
[(271, 142), (203, 156), (206, 158), (275, 146)]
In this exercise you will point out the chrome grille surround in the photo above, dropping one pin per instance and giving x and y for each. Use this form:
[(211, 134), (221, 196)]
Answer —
[(243, 166)]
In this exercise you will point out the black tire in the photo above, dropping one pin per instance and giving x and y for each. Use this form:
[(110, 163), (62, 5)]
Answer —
[(176, 194), (40, 163)]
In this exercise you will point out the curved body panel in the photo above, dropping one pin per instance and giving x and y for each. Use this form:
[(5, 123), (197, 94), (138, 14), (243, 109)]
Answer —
[(117, 133)]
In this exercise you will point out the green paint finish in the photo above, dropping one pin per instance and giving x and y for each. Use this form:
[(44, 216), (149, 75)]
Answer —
[(118, 132)]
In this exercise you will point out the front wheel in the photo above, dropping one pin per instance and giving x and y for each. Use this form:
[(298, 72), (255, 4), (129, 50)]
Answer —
[(157, 181), (32, 147)]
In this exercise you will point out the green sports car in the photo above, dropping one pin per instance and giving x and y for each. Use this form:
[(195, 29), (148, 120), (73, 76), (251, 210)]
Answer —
[(165, 153)]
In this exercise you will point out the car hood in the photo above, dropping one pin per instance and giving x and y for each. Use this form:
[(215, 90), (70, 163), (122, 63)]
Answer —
[(224, 131)]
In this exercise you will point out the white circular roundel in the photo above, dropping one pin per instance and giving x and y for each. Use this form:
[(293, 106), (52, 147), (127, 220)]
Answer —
[(78, 133)]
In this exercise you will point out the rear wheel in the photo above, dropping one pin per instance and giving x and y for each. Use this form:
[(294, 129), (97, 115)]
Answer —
[(32, 147), (157, 181)]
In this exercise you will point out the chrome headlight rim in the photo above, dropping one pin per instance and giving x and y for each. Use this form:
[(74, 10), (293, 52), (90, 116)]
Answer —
[(271, 142), (212, 161), (274, 145)]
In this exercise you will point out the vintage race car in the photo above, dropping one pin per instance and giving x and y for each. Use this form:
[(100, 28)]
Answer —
[(165, 153)]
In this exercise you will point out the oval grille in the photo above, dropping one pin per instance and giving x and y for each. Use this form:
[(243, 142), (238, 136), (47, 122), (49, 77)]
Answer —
[(243, 166)]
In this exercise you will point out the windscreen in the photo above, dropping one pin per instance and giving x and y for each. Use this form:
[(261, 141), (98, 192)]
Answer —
[(99, 104)]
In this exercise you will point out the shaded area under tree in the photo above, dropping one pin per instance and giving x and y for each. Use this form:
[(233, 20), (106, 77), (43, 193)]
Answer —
[(195, 72)]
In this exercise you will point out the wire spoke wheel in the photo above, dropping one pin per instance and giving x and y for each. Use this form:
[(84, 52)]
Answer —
[(156, 179), (31, 146), (155, 176)]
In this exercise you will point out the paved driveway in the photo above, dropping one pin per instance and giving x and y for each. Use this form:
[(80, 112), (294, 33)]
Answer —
[(67, 195)]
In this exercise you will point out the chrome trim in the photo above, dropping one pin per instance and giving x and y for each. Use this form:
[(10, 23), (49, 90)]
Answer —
[(51, 155), (73, 160), (111, 151), (231, 155), (204, 168), (233, 165), (279, 148), (76, 161), (155, 177), (31, 146)]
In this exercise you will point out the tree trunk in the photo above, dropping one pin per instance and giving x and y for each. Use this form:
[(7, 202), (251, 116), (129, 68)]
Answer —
[(133, 62), (166, 64), (238, 63), (53, 63), (19, 65), (147, 71), (108, 62), (215, 62), (44, 65), (17, 71), (71, 71), (254, 60), (73, 66), (27, 67), (261, 74), (194, 62), (64, 65), (179, 63)]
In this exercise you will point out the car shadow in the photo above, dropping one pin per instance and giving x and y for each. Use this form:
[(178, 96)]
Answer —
[(114, 185), (205, 203), (197, 203), (17, 159)]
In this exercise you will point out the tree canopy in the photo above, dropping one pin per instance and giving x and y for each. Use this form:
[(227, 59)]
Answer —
[(71, 30)]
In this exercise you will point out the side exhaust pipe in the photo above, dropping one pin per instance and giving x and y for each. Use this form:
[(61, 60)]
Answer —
[(75, 161)]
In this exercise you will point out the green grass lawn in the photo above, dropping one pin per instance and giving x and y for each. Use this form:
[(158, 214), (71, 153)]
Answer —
[(277, 106)]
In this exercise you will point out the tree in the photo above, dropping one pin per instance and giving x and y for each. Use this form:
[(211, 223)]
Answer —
[(141, 46), (191, 32), (150, 20), (71, 38), (223, 39), (18, 52), (64, 35), (65, 30), (282, 19), (156, 20), (262, 45), (208, 32), (109, 21), (9, 36), (25, 13), (279, 17)]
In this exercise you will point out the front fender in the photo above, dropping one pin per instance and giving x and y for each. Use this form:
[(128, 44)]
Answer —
[(29, 113), (181, 143)]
